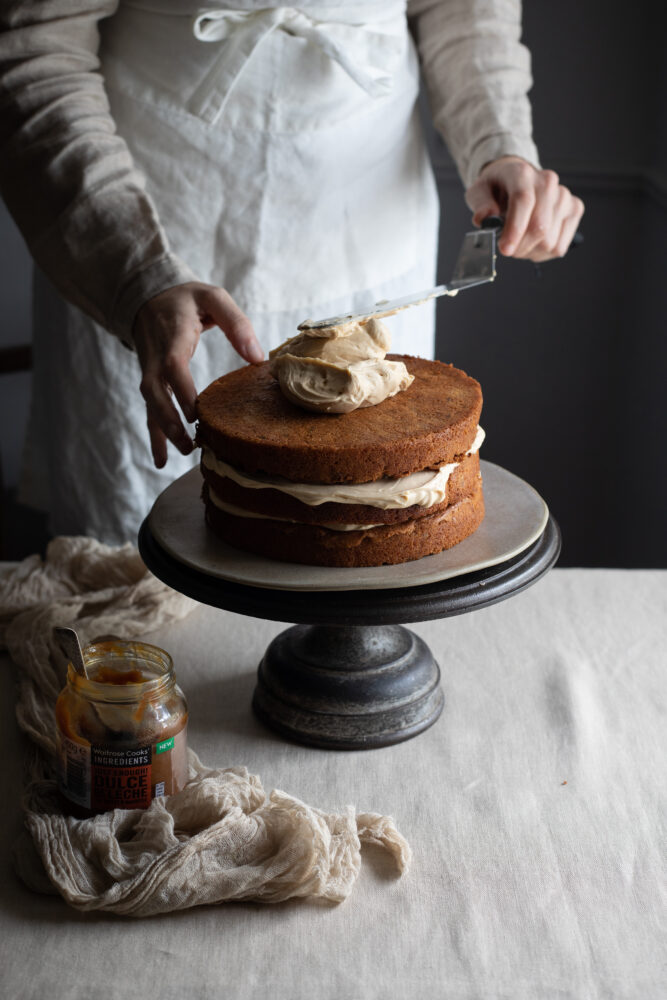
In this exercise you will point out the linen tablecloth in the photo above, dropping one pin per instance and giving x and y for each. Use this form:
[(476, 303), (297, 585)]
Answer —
[(535, 808)]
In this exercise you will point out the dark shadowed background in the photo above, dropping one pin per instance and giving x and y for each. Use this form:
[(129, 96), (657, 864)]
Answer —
[(573, 358)]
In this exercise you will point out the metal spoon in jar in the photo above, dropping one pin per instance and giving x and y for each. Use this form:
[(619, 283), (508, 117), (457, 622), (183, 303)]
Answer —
[(68, 641), (112, 717)]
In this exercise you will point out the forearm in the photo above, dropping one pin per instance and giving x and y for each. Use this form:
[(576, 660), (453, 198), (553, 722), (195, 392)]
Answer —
[(67, 177), (478, 76)]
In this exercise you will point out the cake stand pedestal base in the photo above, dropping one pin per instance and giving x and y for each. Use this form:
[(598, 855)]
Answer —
[(349, 676), (348, 687)]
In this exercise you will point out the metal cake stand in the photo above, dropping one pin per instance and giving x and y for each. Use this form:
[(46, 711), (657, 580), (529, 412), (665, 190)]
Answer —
[(348, 675)]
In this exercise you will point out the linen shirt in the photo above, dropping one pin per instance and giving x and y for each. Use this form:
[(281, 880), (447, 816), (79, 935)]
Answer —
[(82, 204)]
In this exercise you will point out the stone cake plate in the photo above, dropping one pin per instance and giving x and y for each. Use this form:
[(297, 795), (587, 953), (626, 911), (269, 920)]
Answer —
[(349, 676), (516, 516)]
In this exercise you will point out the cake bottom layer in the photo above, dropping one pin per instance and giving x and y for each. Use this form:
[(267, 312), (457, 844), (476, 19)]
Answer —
[(385, 544)]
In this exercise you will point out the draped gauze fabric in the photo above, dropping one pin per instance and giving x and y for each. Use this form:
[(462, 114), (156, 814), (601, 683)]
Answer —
[(221, 838)]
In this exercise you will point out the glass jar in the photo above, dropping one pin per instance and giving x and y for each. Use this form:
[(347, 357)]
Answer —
[(121, 731)]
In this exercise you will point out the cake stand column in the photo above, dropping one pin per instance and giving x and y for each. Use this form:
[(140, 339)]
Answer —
[(348, 687)]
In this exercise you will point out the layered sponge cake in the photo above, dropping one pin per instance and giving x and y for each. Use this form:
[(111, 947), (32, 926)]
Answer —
[(380, 484)]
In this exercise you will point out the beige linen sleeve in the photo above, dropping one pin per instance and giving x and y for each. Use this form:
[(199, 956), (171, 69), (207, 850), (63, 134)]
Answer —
[(67, 177), (478, 76)]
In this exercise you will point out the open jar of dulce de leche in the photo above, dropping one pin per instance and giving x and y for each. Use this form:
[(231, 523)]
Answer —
[(121, 730)]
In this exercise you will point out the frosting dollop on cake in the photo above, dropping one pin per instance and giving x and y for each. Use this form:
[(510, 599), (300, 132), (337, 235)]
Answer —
[(337, 369)]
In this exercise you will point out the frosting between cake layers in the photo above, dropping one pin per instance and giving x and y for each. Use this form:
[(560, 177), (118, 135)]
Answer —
[(337, 369), (230, 508), (422, 489)]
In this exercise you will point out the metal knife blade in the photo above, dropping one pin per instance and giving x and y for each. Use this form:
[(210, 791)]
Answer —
[(475, 265)]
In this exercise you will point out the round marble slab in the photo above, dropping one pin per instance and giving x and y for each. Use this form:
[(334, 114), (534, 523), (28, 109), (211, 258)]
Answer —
[(516, 516)]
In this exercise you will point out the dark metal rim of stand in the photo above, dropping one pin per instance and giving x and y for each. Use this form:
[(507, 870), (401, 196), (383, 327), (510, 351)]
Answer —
[(442, 599)]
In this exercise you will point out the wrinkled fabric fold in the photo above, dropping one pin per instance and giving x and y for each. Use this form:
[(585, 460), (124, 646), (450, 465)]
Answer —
[(221, 838)]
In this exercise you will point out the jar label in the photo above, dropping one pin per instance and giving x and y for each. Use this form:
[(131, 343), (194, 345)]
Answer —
[(120, 779), (74, 770), (101, 778)]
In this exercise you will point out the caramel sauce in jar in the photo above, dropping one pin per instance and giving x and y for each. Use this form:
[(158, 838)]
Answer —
[(121, 731)]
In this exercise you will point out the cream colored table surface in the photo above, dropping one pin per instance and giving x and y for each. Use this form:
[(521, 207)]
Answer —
[(535, 808)]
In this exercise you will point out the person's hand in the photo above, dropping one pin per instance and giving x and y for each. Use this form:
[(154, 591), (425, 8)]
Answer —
[(166, 332), (541, 216)]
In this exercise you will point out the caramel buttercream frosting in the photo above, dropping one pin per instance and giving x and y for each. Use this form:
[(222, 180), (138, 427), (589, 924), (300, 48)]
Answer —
[(337, 369)]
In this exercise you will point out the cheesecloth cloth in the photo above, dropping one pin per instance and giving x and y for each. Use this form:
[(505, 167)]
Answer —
[(219, 839)]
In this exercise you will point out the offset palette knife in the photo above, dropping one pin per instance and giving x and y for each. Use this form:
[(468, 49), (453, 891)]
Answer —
[(476, 265)]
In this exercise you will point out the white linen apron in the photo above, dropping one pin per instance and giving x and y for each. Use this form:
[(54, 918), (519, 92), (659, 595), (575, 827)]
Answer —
[(283, 150)]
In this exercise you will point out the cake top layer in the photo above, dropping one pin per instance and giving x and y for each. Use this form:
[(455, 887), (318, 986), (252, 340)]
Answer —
[(245, 420)]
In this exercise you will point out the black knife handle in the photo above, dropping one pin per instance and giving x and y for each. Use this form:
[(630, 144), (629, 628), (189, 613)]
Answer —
[(493, 222), (497, 222)]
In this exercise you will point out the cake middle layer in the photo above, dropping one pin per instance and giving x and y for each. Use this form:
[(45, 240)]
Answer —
[(382, 501)]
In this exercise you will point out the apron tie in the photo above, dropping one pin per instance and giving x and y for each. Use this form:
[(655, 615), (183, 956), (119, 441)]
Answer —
[(355, 48)]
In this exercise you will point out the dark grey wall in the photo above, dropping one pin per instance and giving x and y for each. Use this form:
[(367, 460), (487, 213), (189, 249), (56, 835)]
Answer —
[(15, 290), (572, 363)]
